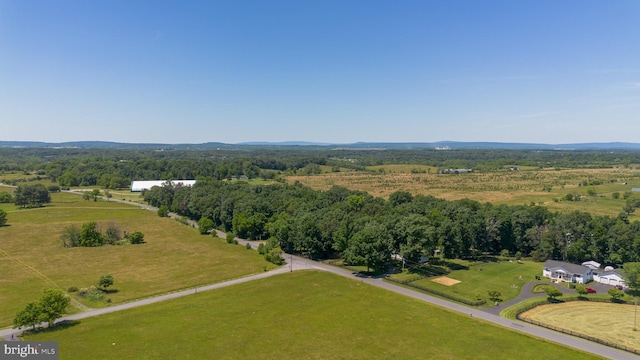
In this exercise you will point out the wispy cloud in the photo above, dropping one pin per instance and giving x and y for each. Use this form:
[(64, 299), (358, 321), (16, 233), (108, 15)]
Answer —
[(542, 114)]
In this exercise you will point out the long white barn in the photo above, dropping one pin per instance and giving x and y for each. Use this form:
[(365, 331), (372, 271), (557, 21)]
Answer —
[(137, 186)]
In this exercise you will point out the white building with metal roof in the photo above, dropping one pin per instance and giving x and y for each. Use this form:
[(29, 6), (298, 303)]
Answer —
[(137, 186)]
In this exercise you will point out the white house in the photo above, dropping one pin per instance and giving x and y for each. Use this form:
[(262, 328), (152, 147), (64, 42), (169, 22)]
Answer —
[(137, 186), (562, 271), (610, 278)]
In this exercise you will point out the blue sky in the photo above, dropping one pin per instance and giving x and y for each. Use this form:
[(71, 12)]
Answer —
[(325, 71)]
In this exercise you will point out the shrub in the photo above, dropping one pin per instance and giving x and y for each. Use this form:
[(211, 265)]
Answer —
[(248, 246), (135, 237), (163, 211), (230, 237), (72, 289)]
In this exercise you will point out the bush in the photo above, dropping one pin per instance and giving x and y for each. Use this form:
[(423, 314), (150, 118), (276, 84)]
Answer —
[(92, 293), (135, 237), (163, 211), (248, 246), (230, 237), (72, 289)]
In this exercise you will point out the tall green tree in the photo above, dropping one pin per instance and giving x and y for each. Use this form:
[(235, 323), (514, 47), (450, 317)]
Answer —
[(32, 195), (205, 225), (105, 281), (90, 235), (371, 246), (3, 217), (632, 274), (52, 305), (28, 316)]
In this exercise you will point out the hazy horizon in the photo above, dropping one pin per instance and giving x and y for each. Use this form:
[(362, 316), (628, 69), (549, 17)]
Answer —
[(328, 72)]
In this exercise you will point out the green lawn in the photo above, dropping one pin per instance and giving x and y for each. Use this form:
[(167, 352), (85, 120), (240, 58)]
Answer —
[(300, 315), (174, 256), (505, 277)]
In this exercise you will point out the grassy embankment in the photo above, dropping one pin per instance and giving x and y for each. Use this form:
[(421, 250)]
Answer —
[(174, 256), (300, 315)]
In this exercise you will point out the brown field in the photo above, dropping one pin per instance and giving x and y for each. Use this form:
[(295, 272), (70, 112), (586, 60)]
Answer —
[(508, 187), (174, 256), (446, 281), (606, 321)]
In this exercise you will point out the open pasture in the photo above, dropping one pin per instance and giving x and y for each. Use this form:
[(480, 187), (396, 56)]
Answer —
[(508, 187), (606, 321), (174, 256), (300, 315)]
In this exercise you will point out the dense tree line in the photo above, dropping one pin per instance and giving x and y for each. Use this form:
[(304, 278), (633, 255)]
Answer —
[(366, 230), (116, 168)]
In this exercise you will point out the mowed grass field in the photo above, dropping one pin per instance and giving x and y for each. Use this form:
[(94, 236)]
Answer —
[(508, 187), (174, 256), (475, 281), (606, 321), (299, 315)]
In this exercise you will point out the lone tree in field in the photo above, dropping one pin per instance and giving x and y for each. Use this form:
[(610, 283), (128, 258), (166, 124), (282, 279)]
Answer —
[(32, 195), (105, 281), (553, 292)]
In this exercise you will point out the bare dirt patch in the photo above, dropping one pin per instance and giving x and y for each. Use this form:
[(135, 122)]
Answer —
[(446, 281)]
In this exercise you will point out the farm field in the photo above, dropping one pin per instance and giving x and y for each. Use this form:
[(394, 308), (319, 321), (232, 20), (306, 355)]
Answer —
[(328, 316), (508, 187), (174, 256), (475, 281), (606, 321)]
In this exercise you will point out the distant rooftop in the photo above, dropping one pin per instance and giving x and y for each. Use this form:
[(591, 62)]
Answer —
[(137, 186)]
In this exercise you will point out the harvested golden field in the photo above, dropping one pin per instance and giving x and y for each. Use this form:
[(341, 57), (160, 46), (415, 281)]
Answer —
[(605, 321)]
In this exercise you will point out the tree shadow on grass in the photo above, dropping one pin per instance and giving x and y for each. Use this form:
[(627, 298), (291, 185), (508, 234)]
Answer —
[(61, 325)]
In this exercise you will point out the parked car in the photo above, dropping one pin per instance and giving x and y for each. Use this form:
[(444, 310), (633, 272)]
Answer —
[(591, 290)]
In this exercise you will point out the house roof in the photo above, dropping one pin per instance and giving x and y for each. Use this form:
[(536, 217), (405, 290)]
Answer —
[(572, 268), (611, 273), (592, 264), (146, 185)]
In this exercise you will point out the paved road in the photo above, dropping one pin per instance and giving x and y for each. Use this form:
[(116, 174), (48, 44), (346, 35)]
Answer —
[(299, 263)]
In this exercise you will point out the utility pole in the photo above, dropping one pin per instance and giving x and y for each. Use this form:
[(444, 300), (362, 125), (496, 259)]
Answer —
[(635, 313), (291, 263)]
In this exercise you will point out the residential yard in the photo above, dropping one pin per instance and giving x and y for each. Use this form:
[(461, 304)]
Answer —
[(606, 321), (299, 315), (174, 256), (476, 280)]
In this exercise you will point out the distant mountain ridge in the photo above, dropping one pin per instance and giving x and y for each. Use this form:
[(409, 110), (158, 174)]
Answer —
[(440, 145)]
